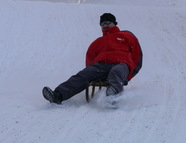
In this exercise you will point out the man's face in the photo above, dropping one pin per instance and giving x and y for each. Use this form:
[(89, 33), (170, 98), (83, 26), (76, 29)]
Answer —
[(106, 25)]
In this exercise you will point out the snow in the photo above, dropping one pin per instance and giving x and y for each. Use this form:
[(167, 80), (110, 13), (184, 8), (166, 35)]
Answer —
[(43, 43)]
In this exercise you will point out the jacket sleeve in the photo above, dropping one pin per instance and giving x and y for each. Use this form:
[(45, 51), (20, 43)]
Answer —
[(91, 54), (137, 55)]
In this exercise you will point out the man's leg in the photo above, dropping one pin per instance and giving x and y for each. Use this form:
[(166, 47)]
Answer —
[(117, 78), (77, 83)]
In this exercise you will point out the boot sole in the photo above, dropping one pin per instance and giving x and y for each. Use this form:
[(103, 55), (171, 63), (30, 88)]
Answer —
[(48, 94)]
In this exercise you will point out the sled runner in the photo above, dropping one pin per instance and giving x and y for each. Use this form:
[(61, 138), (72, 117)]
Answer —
[(93, 84)]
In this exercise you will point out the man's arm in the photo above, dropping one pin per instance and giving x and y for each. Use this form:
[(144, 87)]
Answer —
[(90, 55), (136, 52)]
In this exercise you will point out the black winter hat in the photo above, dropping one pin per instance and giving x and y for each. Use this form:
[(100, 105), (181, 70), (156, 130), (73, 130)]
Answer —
[(108, 17)]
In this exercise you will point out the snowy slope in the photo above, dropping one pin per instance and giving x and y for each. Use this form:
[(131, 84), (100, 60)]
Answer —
[(44, 43)]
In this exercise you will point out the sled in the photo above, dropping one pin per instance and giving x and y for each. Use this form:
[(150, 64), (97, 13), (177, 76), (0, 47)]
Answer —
[(90, 94)]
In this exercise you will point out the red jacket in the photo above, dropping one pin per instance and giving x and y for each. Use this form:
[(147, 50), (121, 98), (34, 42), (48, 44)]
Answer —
[(114, 47)]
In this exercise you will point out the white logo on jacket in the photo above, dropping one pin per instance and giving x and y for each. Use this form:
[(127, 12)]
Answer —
[(120, 39)]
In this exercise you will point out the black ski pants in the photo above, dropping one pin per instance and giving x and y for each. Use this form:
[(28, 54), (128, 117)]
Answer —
[(116, 75)]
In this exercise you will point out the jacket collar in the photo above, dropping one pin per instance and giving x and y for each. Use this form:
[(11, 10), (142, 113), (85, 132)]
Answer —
[(110, 31)]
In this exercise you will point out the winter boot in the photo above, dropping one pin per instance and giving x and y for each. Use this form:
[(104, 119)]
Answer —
[(111, 98), (51, 96), (110, 91)]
